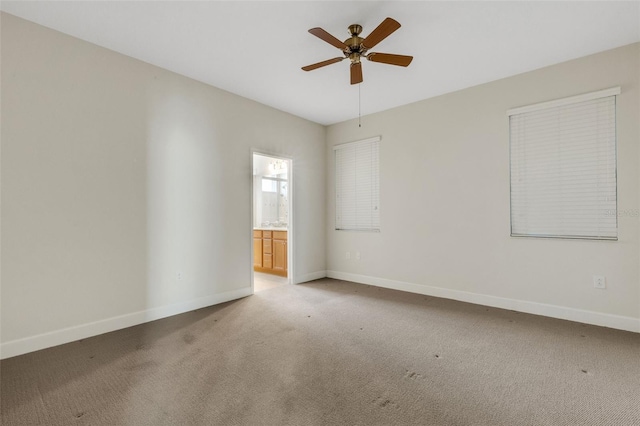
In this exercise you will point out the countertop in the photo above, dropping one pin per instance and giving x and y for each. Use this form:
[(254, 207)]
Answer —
[(270, 228)]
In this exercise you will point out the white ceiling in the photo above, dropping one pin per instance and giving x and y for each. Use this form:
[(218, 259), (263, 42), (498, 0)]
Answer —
[(256, 49)]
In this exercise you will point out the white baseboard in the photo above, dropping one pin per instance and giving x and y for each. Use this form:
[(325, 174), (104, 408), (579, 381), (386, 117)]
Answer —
[(66, 335), (310, 277), (553, 311), (71, 334)]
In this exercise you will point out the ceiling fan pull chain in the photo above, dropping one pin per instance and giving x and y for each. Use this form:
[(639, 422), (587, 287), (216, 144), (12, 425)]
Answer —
[(359, 106)]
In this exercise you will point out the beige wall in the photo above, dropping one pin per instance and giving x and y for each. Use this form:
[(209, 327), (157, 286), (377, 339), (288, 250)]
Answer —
[(118, 175), (444, 165)]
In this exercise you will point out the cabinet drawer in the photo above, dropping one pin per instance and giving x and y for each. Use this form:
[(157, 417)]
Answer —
[(266, 246), (279, 235), (266, 261), (257, 234), (266, 234)]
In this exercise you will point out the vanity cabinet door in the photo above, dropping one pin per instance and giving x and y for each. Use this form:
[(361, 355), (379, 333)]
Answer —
[(280, 255)]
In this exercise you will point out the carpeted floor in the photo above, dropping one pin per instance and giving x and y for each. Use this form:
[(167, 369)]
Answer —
[(333, 353)]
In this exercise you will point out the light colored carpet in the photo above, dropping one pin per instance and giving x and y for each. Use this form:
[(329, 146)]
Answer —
[(333, 353)]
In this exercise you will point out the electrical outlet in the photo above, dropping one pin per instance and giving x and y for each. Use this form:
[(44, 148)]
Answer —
[(599, 281), (348, 256), (357, 255)]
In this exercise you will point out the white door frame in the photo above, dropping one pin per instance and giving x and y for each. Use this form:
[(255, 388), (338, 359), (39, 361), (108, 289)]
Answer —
[(290, 224)]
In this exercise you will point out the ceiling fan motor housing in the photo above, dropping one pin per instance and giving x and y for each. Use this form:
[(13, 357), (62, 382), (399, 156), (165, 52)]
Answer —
[(354, 43)]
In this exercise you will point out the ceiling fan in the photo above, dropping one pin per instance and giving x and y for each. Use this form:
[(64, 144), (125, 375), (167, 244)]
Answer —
[(355, 48)]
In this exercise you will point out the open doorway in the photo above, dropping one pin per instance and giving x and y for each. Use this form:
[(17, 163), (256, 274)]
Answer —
[(271, 221)]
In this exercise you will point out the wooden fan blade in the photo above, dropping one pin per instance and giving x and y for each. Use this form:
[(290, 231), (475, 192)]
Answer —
[(383, 31), (356, 73), (323, 35), (388, 58), (322, 64)]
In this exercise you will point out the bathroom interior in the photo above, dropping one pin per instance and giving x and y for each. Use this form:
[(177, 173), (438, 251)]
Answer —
[(271, 203)]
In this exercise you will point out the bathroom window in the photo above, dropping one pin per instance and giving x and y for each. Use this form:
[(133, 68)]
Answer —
[(269, 185), (275, 203)]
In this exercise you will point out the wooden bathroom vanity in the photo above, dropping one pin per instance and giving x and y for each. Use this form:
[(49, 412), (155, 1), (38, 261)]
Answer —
[(270, 251)]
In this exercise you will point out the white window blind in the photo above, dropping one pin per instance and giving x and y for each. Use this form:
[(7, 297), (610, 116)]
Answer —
[(357, 185), (563, 168)]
